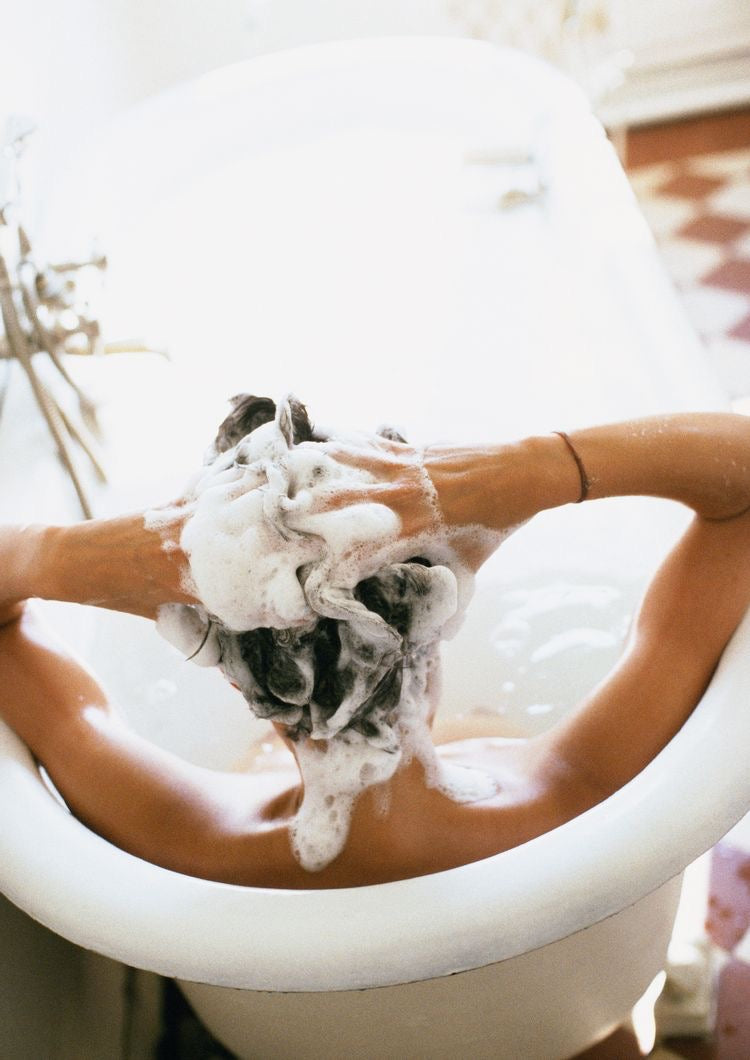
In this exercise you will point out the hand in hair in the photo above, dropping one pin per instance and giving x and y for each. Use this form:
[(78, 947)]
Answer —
[(469, 497), (398, 480)]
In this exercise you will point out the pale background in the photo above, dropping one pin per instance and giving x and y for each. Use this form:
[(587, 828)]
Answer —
[(71, 66)]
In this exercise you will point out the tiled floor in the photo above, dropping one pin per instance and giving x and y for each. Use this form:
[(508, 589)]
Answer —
[(695, 192)]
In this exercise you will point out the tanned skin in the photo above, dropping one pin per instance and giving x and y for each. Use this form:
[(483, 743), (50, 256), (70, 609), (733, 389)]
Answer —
[(235, 827)]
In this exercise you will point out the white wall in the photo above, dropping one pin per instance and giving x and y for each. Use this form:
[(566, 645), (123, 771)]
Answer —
[(60, 1002), (686, 58), (664, 32), (71, 64)]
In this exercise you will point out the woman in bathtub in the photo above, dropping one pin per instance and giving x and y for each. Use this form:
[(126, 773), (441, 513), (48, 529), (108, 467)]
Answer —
[(244, 828)]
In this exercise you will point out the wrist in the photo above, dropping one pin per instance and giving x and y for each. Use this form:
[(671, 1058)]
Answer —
[(21, 554), (501, 486), (452, 472), (43, 552)]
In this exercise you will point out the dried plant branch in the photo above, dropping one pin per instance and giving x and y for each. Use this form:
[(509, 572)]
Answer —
[(46, 341), (84, 439), (45, 311), (20, 348)]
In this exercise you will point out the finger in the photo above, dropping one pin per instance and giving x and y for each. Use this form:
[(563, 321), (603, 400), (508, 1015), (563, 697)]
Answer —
[(334, 497), (352, 457), (376, 463), (368, 443)]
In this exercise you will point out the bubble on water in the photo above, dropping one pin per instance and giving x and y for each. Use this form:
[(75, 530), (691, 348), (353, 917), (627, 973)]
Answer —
[(540, 708), (160, 691)]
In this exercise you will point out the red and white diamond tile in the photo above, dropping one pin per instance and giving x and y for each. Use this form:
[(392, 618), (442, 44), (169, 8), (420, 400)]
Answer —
[(699, 211)]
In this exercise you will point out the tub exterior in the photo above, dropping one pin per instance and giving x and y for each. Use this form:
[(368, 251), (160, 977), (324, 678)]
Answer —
[(544, 1005)]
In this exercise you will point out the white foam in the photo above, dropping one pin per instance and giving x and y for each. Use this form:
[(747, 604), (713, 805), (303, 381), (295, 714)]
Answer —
[(256, 521), (334, 773), (266, 549), (463, 783), (190, 630)]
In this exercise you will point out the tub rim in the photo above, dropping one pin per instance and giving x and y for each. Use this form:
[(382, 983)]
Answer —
[(100, 897)]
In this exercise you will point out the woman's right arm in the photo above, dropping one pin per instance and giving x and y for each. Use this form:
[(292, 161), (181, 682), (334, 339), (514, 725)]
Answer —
[(699, 459)]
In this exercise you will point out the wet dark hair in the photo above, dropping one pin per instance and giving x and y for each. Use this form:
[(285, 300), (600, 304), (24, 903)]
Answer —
[(250, 412), (303, 677)]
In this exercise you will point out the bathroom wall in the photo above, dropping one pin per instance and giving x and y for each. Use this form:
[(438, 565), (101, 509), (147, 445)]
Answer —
[(71, 66), (681, 65), (59, 1002), (39, 975)]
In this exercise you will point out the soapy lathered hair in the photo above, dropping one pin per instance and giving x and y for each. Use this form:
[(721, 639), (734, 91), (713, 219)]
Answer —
[(300, 678), (249, 412)]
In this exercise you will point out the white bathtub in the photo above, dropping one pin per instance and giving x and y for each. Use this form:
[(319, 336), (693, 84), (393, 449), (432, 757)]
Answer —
[(553, 942), (541, 950)]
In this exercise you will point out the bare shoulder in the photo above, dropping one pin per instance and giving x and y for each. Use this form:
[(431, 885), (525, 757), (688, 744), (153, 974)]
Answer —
[(532, 779)]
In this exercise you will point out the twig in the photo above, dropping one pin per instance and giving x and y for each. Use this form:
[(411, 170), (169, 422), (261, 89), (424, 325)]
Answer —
[(46, 341), (19, 348), (84, 439)]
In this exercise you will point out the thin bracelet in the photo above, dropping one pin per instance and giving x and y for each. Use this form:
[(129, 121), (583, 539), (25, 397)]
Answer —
[(585, 482), (726, 518), (202, 644)]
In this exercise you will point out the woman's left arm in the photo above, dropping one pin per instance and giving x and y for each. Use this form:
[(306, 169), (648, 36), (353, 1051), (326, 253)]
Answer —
[(117, 563), (142, 798)]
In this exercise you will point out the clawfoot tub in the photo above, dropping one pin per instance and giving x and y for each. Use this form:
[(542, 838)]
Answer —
[(560, 314)]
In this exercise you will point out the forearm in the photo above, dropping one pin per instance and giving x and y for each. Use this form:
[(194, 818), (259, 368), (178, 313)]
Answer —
[(699, 459), (115, 563), (45, 688), (500, 486)]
